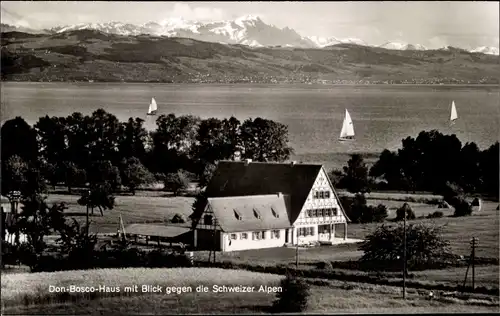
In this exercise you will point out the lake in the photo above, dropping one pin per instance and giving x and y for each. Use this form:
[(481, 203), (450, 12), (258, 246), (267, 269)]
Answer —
[(382, 114)]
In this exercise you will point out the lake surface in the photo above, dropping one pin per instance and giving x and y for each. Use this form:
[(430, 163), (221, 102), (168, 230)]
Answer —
[(382, 114)]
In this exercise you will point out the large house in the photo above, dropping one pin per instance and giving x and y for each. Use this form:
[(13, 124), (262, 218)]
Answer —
[(253, 205)]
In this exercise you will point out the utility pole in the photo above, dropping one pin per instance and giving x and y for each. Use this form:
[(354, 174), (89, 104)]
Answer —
[(404, 256), (297, 254), (87, 217), (474, 245)]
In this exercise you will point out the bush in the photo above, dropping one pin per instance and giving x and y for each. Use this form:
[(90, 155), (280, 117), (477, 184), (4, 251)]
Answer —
[(424, 246), (436, 214), (324, 265), (178, 218), (405, 209), (294, 295), (462, 207), (375, 214)]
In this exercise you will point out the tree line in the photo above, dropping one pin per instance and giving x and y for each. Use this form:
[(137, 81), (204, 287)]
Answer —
[(98, 150), (430, 162)]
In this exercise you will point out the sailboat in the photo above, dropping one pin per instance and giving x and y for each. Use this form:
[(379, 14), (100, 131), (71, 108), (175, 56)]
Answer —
[(347, 132), (453, 115), (153, 107)]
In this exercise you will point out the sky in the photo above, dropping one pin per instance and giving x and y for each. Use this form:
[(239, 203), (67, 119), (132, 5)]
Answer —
[(433, 24)]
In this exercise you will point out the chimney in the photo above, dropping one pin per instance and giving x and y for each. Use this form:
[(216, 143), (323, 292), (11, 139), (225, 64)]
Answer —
[(293, 163), (280, 194), (247, 161)]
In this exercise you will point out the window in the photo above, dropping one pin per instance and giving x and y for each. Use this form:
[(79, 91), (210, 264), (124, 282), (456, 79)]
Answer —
[(256, 214), (327, 194), (323, 229), (243, 236), (275, 234), (275, 214), (309, 213), (258, 235), (208, 220), (321, 194), (328, 212), (237, 215), (233, 237), (335, 211), (316, 195)]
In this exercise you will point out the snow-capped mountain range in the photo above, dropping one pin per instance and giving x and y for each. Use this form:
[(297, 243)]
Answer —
[(247, 30)]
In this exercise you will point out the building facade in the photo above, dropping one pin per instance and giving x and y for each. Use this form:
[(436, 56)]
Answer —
[(252, 205)]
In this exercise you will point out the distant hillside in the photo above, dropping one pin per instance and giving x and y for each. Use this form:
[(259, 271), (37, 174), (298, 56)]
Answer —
[(93, 55)]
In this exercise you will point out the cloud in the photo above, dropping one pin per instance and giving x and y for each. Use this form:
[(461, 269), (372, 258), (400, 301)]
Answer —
[(185, 11)]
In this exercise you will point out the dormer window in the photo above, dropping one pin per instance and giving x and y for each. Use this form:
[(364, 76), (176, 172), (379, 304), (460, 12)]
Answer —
[(256, 214), (237, 215), (275, 214)]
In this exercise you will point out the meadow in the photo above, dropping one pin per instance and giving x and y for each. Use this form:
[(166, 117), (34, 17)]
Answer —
[(326, 296)]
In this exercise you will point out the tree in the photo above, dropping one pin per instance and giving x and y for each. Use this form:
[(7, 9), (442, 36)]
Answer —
[(75, 242), (470, 173), (36, 221), (177, 182), (132, 139), (424, 245), (100, 196), (336, 177), (78, 138), (374, 214), (489, 168), (104, 172), (73, 176), (103, 134), (18, 139), (387, 167), (52, 135), (293, 297), (207, 174), (356, 175), (134, 174), (51, 172), (19, 176), (404, 210), (265, 140), (198, 207)]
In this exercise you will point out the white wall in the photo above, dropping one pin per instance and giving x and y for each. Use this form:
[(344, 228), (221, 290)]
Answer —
[(249, 243)]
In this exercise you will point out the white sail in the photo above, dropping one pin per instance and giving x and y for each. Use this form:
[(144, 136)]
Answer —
[(153, 107), (347, 131), (453, 115)]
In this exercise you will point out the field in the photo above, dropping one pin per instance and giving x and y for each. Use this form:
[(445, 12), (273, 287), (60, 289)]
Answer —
[(157, 209), (22, 293)]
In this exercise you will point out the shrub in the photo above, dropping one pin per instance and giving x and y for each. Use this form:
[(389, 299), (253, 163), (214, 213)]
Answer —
[(436, 214), (375, 214), (462, 207), (405, 209), (178, 218), (424, 246), (294, 295), (324, 265)]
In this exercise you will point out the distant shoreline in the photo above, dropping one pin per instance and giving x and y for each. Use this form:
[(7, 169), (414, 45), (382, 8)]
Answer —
[(482, 85)]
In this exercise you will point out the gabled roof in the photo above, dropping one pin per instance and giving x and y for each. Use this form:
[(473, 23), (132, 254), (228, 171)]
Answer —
[(237, 178), (227, 210)]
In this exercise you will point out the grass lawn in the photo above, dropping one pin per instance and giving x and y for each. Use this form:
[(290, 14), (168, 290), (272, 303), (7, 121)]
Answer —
[(134, 209), (284, 255), (329, 297)]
